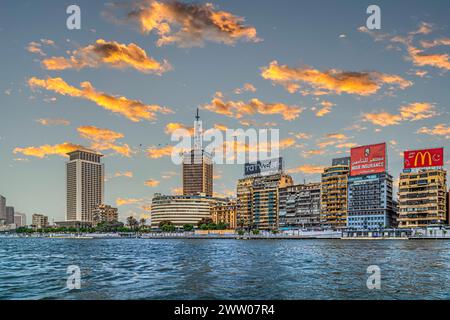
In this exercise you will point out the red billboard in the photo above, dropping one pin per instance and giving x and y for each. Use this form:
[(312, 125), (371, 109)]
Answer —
[(424, 158), (368, 159)]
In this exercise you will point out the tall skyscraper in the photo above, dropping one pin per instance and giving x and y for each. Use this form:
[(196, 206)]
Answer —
[(2, 209), (9, 215), (85, 177), (197, 166)]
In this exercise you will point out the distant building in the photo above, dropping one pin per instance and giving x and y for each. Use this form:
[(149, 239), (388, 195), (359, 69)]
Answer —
[(181, 209), (85, 184), (257, 200), (20, 219), (197, 166), (423, 198), (2, 210), (370, 202), (104, 213), (39, 221), (225, 212), (299, 206), (9, 215), (334, 205)]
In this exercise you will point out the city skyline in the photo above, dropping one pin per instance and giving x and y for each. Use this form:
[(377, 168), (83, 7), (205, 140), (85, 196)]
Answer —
[(324, 80)]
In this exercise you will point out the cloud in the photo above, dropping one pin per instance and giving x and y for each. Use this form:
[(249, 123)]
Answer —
[(134, 110), (177, 190), (47, 150), (53, 122), (36, 46), (126, 174), (314, 152), (412, 112), (435, 43), (307, 169), (124, 202), (418, 58), (331, 81), (173, 126), (151, 183), (156, 153), (327, 106), (237, 109), (248, 87), (187, 24), (437, 130), (108, 53), (104, 139)]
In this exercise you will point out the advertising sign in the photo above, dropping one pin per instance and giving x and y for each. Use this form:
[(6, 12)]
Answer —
[(368, 159), (424, 158), (264, 167)]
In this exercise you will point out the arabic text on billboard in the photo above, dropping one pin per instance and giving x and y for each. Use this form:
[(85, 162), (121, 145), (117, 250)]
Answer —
[(368, 159), (424, 158)]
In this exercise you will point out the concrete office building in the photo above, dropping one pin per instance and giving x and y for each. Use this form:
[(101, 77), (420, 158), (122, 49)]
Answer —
[(334, 206), (225, 212), (85, 177), (2, 210), (39, 221), (20, 219), (197, 166), (299, 206), (9, 215), (423, 198), (104, 213)]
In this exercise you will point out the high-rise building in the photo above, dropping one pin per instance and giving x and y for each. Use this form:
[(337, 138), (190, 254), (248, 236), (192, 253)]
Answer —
[(197, 166), (181, 209), (9, 215), (334, 204), (422, 198), (39, 221), (225, 212), (20, 219), (370, 202), (2, 210), (299, 206), (85, 184), (104, 213), (257, 200)]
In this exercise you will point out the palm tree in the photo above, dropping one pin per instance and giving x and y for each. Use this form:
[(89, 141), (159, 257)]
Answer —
[(132, 222), (142, 222)]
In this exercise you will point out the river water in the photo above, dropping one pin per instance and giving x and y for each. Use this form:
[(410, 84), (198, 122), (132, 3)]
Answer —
[(36, 268)]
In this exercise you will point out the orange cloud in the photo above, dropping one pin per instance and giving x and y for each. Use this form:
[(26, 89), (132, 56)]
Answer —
[(127, 174), (109, 53), (248, 87), (237, 109), (47, 150), (435, 43), (156, 153), (307, 169), (418, 58), (151, 183), (173, 126), (134, 110), (124, 202), (188, 24), (412, 112), (36, 46), (327, 106), (331, 81), (437, 130), (53, 122), (104, 139)]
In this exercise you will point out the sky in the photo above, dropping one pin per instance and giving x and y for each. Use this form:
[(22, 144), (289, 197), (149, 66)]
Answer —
[(137, 70)]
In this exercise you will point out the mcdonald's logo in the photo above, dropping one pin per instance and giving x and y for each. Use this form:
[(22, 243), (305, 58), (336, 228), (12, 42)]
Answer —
[(423, 156)]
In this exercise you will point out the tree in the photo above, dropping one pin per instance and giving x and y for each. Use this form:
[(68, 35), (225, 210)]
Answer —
[(165, 222), (204, 221), (168, 228), (188, 227), (222, 226), (204, 226), (255, 231), (132, 222)]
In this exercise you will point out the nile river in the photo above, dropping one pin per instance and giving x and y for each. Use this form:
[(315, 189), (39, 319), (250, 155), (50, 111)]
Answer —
[(223, 269)]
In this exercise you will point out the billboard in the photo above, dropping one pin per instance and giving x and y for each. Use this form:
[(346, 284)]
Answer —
[(424, 158), (345, 161), (368, 159), (264, 167)]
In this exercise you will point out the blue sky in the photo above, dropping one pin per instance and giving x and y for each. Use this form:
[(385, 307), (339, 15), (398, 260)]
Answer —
[(301, 36)]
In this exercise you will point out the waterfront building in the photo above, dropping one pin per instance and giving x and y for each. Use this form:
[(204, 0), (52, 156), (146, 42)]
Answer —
[(334, 204), (104, 213), (225, 212), (85, 184), (422, 198), (197, 166), (39, 221), (181, 209), (20, 219), (370, 202), (299, 206), (257, 200), (9, 215), (2, 210)]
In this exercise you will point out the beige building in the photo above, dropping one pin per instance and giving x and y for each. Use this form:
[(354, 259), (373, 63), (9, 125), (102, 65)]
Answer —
[(422, 198), (257, 200), (225, 213), (39, 221), (85, 177), (104, 213), (334, 203), (20, 219)]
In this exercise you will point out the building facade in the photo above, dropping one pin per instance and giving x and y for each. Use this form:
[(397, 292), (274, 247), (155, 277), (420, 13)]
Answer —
[(181, 209), (299, 206), (225, 213), (20, 219), (257, 200), (334, 205), (9, 215), (422, 198), (2, 210), (104, 213), (85, 177), (370, 202), (39, 221)]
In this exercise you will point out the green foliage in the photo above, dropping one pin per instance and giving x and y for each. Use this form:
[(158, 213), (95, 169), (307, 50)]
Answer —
[(168, 228), (204, 221), (188, 227), (204, 226), (255, 231), (241, 232)]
